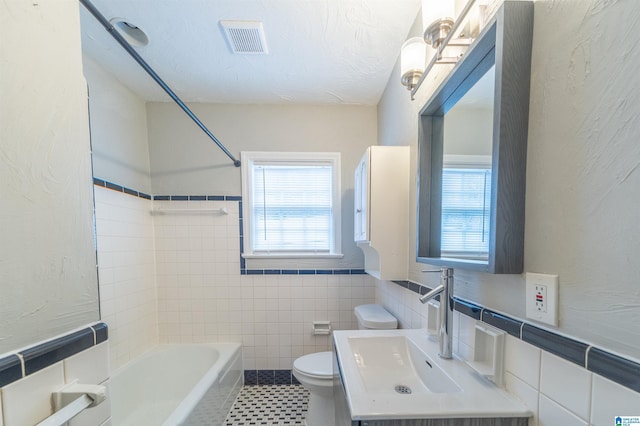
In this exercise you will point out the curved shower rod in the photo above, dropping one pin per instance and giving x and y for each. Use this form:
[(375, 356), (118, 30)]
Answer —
[(131, 51)]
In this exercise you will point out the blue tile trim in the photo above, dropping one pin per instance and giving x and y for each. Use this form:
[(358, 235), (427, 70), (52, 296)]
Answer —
[(197, 197), (289, 272), (306, 271), (502, 322), (119, 188), (10, 369), (233, 198), (324, 271), (469, 309), (215, 197), (272, 272), (341, 271), (179, 198), (358, 272), (564, 347), (613, 367), (266, 377), (255, 271), (250, 377), (113, 186), (48, 353), (102, 332), (162, 197), (269, 377)]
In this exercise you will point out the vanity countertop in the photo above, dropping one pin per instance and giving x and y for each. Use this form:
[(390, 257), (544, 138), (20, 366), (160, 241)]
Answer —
[(370, 369)]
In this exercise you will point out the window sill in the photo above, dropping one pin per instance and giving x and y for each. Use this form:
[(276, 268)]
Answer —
[(293, 256)]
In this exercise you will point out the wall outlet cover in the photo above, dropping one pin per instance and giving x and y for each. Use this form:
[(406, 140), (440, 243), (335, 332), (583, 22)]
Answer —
[(542, 298)]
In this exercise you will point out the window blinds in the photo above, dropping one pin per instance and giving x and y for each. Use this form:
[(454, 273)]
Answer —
[(466, 201), (292, 208)]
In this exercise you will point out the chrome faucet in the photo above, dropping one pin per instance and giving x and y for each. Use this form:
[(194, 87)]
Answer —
[(445, 290)]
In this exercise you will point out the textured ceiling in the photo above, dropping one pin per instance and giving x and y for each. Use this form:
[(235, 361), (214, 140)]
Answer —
[(320, 51)]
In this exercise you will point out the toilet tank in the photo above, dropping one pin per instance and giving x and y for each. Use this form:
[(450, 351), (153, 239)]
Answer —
[(374, 317)]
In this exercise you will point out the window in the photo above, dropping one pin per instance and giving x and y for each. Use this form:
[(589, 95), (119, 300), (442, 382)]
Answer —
[(466, 201), (291, 204)]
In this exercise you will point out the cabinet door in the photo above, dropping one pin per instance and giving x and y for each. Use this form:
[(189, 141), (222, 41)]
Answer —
[(361, 202)]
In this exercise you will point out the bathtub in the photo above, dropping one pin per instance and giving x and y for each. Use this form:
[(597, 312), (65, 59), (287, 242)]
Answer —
[(185, 384)]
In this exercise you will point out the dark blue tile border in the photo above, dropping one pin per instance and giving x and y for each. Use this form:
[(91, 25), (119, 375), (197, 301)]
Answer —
[(269, 377), (616, 368), (102, 332), (48, 353), (502, 322), (564, 347), (472, 310), (10, 369)]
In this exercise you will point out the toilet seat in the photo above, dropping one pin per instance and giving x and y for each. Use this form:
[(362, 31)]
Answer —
[(318, 365)]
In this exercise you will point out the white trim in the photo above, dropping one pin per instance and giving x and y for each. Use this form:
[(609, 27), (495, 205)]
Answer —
[(249, 158), (467, 161), (293, 256)]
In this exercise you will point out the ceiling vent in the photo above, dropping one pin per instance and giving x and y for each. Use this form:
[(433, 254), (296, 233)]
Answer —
[(245, 37)]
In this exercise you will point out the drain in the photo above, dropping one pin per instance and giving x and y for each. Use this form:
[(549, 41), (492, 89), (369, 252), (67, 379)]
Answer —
[(403, 389)]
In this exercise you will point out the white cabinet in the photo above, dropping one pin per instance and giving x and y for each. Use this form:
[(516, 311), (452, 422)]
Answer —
[(381, 210)]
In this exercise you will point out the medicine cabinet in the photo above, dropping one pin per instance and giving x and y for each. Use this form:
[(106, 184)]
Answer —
[(472, 152), (381, 212)]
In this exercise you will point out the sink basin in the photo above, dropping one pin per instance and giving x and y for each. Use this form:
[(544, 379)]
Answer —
[(396, 364), (397, 374)]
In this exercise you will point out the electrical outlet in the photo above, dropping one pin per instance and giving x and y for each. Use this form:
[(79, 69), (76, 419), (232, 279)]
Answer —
[(542, 298)]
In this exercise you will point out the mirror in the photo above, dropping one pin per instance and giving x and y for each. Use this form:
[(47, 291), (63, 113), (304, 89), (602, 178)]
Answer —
[(472, 148)]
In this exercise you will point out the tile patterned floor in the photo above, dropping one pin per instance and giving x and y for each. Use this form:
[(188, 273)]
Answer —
[(269, 405)]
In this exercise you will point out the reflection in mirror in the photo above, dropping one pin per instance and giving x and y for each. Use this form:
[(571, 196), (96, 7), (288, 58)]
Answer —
[(466, 173)]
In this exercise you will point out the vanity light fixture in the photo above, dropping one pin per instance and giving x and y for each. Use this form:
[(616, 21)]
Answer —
[(443, 35), (412, 61)]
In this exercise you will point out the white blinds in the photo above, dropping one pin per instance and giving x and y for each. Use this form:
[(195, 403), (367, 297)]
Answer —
[(292, 208), (466, 200)]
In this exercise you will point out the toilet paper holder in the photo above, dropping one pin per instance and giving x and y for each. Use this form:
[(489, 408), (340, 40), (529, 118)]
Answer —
[(321, 327)]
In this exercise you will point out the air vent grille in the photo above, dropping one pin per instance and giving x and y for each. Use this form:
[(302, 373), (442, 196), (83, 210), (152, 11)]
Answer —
[(245, 37)]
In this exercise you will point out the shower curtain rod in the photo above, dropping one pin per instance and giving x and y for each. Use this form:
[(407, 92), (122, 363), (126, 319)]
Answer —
[(131, 51)]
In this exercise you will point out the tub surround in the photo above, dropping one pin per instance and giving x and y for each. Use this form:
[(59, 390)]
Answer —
[(192, 267)]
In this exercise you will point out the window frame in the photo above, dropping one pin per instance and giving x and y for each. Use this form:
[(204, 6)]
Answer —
[(248, 160)]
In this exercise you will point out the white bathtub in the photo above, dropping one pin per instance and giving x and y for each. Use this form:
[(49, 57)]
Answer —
[(186, 384)]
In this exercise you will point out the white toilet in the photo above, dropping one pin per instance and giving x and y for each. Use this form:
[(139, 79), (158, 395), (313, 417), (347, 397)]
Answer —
[(315, 371)]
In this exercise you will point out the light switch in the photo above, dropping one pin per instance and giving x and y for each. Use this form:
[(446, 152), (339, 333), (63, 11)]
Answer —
[(542, 298)]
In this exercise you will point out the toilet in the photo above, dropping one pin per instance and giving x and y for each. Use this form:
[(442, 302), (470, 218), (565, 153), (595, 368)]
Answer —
[(315, 371)]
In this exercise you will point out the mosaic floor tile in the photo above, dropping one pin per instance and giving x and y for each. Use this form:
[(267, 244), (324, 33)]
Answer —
[(269, 405)]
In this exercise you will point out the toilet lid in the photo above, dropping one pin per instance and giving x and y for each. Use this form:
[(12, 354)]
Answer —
[(319, 364)]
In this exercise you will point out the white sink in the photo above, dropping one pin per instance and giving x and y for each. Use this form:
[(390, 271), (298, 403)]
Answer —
[(396, 364), (397, 374)]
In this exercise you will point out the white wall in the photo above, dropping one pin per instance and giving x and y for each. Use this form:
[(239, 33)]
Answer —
[(47, 255), (583, 183), (120, 151)]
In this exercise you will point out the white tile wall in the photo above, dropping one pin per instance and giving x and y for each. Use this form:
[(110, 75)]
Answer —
[(126, 268), (609, 400), (566, 383), (558, 392), (28, 401), (203, 297)]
